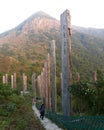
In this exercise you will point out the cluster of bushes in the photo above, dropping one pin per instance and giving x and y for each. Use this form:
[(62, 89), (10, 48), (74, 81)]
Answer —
[(16, 111)]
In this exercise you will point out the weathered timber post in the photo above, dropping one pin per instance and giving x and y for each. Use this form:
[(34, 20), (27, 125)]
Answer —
[(14, 81), (94, 75), (33, 85), (38, 84), (78, 77), (44, 78), (61, 84), (46, 89), (61, 87), (4, 79), (41, 94), (53, 72), (24, 83), (66, 62), (42, 90), (48, 82)]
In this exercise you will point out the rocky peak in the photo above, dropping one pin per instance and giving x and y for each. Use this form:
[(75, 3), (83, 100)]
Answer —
[(38, 22)]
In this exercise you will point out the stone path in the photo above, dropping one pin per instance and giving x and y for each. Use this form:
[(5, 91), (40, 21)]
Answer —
[(48, 125)]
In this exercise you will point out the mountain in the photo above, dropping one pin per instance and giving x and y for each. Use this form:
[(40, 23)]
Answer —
[(24, 48), (90, 55), (30, 28), (90, 31), (28, 43)]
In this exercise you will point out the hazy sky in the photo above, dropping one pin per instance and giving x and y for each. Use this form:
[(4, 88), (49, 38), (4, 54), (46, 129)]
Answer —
[(85, 13)]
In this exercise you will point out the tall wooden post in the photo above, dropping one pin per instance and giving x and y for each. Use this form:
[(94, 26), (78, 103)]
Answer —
[(45, 85), (46, 89), (24, 83), (66, 62), (78, 77), (38, 84), (41, 87), (48, 82), (4, 79), (33, 85), (61, 84), (14, 81), (41, 94), (94, 76), (53, 73)]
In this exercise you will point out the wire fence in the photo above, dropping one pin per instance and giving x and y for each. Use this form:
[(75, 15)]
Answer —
[(77, 122)]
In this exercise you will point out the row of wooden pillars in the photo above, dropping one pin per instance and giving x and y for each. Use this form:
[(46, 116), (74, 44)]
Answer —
[(14, 81), (47, 89), (66, 75)]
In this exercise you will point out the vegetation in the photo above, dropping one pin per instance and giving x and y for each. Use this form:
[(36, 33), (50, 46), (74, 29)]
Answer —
[(15, 111), (88, 97)]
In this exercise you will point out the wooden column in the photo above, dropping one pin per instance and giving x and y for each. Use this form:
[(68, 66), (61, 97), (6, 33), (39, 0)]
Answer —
[(61, 84), (41, 85), (14, 81), (66, 62), (48, 82), (94, 76), (53, 73), (45, 82), (44, 87), (78, 77), (38, 84), (41, 94), (4, 79), (24, 83), (33, 85)]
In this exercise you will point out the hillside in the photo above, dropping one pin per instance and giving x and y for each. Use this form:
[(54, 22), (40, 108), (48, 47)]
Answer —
[(28, 43), (24, 48)]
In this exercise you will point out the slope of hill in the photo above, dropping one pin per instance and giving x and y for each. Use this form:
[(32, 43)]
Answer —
[(28, 45), (90, 31)]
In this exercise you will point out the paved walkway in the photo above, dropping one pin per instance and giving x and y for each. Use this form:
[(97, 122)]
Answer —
[(48, 125)]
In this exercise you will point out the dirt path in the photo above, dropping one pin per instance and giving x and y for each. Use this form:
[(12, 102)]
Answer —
[(48, 125)]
